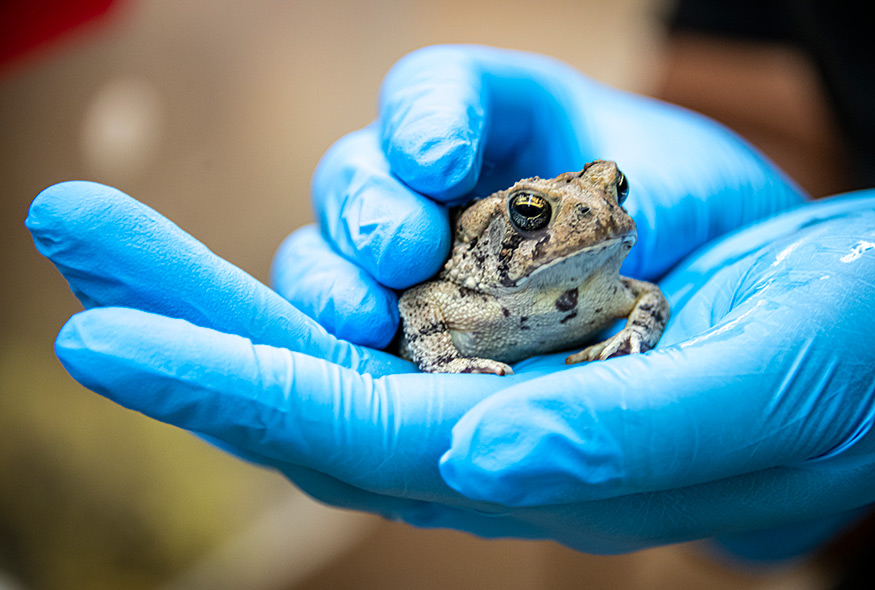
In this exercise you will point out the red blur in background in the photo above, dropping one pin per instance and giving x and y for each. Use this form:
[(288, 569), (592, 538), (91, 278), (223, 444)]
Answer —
[(28, 25)]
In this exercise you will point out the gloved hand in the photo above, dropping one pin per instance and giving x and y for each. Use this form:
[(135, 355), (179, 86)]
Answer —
[(755, 412), (457, 121), (209, 349)]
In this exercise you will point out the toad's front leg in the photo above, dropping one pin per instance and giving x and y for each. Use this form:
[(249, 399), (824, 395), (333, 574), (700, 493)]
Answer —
[(643, 329), (427, 340)]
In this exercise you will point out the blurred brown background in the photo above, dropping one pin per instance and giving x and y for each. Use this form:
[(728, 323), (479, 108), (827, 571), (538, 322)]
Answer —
[(215, 113)]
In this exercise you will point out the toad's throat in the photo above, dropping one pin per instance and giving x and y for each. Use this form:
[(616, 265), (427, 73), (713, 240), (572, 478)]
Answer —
[(589, 251)]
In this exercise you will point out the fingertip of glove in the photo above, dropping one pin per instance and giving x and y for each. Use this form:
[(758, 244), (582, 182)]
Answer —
[(78, 344), (522, 484), (432, 120), (484, 476), (69, 338), (399, 240), (434, 161), (86, 329), (529, 450), (476, 464), (400, 237), (69, 210), (417, 250), (64, 200), (356, 309), (373, 322), (338, 294), (470, 482)]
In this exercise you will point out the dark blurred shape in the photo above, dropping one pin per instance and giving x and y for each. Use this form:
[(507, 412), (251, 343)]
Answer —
[(26, 25), (833, 38)]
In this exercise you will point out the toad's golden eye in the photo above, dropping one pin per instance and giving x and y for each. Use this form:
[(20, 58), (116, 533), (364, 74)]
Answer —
[(622, 187), (529, 212)]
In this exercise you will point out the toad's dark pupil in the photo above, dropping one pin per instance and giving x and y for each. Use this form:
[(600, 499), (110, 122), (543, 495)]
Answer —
[(622, 188), (529, 212)]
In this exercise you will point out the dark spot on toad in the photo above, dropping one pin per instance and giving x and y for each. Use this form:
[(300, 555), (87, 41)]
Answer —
[(567, 301), (571, 315), (512, 242)]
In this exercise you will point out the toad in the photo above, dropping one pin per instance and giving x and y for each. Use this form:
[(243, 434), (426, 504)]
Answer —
[(535, 269)]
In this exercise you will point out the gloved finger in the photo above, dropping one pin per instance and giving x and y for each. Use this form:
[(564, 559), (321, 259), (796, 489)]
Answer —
[(382, 435), (432, 120), (398, 236), (451, 116), (764, 385), (338, 294), (114, 250)]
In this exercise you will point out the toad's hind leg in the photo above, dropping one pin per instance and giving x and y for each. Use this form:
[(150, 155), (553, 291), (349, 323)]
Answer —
[(427, 340), (644, 326)]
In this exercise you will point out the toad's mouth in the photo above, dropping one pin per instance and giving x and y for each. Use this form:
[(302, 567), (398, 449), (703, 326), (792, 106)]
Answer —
[(593, 253)]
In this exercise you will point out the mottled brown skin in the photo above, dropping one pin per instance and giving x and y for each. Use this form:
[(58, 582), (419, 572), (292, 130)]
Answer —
[(517, 286)]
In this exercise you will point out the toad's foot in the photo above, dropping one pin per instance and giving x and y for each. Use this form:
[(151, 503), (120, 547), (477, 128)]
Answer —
[(464, 364), (626, 341)]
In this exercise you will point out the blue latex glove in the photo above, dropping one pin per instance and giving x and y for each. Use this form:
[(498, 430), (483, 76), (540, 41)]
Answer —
[(755, 414), (460, 120)]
